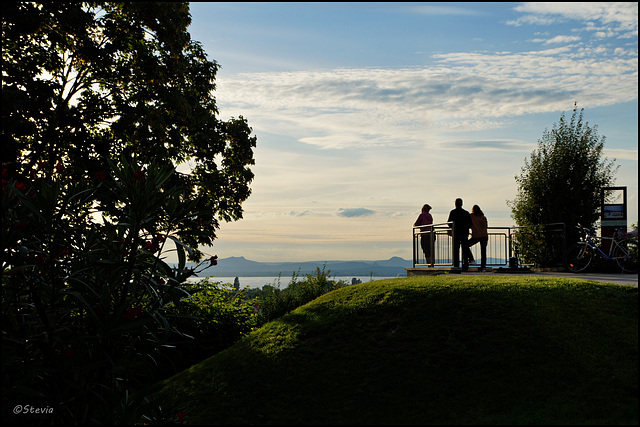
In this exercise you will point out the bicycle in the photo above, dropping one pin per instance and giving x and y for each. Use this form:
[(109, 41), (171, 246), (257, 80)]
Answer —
[(623, 249)]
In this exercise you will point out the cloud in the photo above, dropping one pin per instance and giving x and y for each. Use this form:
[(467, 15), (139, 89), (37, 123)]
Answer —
[(354, 212), (621, 153), (621, 18), (496, 145), (468, 91), (299, 213), (562, 39)]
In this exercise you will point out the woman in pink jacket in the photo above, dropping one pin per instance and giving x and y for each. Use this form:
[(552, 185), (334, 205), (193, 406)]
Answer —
[(427, 236)]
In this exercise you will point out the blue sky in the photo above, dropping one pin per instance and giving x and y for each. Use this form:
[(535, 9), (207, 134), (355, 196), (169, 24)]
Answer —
[(366, 111)]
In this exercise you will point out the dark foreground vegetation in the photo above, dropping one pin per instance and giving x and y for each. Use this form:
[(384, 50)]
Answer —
[(432, 350)]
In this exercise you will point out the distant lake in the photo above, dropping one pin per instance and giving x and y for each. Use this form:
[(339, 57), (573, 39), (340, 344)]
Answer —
[(259, 282)]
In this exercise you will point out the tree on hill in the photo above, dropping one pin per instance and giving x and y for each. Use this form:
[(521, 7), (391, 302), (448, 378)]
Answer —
[(561, 183)]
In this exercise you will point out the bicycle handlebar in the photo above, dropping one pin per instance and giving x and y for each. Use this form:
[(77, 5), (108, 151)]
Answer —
[(619, 233)]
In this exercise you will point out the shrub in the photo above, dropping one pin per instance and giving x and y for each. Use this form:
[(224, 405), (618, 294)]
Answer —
[(210, 319), (275, 302), (539, 245), (85, 292)]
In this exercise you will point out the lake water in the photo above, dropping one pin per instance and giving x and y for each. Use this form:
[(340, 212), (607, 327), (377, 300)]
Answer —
[(259, 282)]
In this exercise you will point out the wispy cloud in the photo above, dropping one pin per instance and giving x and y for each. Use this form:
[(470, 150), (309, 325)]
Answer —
[(346, 108), (621, 18), (496, 145), (559, 39)]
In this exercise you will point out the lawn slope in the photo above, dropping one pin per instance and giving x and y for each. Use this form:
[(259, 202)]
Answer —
[(430, 350)]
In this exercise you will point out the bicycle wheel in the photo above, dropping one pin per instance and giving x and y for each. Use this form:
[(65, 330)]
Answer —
[(627, 256), (578, 257)]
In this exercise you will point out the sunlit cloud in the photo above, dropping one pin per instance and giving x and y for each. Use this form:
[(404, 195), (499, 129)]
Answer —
[(621, 17), (561, 39), (391, 107)]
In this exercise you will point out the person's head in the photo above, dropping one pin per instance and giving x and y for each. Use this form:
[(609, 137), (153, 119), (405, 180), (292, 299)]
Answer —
[(458, 202), (426, 208), (476, 210)]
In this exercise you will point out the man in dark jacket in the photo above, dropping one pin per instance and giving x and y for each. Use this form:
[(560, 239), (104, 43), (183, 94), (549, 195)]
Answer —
[(461, 225)]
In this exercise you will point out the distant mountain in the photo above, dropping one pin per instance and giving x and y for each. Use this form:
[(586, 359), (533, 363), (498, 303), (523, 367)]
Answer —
[(240, 266)]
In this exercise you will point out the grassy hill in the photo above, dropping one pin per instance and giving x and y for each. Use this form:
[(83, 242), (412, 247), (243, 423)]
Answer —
[(429, 350)]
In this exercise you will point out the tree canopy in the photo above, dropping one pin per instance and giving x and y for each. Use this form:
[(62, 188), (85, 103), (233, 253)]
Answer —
[(83, 83), (562, 180), (101, 104)]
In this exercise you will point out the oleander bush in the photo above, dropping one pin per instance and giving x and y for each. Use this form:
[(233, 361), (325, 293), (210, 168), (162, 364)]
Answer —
[(86, 293)]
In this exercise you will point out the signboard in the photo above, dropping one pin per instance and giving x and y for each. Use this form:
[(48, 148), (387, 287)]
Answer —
[(613, 213), (613, 205)]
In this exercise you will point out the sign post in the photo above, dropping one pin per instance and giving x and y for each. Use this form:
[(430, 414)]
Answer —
[(613, 213)]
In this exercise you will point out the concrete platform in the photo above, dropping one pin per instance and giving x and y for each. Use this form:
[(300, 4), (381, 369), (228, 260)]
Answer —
[(430, 271)]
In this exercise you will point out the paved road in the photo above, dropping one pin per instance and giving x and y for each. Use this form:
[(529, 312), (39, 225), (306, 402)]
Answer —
[(617, 278), (620, 279)]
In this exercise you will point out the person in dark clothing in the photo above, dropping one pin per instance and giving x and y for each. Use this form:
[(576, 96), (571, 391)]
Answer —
[(479, 233), (461, 224)]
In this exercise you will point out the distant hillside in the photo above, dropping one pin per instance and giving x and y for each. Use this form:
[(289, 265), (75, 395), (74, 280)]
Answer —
[(240, 266)]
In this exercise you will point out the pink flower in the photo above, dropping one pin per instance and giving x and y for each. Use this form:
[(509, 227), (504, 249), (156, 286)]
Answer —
[(133, 313), (65, 251), (139, 176)]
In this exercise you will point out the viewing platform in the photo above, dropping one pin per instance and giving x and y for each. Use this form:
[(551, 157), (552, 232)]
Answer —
[(433, 271), (501, 250)]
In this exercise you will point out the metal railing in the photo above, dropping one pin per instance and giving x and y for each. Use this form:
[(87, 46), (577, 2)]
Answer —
[(555, 241), (499, 246)]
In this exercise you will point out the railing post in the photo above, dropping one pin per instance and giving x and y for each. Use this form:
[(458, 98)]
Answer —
[(413, 244), (432, 247)]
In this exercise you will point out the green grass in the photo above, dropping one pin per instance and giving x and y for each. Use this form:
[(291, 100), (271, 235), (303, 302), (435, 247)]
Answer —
[(430, 350)]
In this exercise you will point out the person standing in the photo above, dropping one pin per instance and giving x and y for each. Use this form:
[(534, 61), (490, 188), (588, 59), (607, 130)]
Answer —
[(461, 225), (427, 236), (479, 234)]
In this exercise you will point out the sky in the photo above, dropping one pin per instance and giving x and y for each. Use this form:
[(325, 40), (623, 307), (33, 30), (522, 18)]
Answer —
[(363, 112)]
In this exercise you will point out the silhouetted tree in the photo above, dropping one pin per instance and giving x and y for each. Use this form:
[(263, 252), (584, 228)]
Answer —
[(562, 180), (84, 82), (101, 102)]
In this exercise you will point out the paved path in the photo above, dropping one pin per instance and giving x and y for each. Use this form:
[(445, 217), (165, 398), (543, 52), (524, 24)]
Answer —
[(617, 278)]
